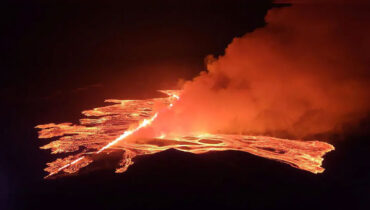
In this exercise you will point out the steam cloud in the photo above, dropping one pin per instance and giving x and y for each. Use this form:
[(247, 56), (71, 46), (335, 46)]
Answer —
[(306, 72)]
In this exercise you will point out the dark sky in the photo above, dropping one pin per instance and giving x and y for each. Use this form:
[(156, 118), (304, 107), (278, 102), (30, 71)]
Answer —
[(90, 42)]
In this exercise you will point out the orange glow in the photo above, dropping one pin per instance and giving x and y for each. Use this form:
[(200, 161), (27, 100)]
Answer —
[(128, 133), (121, 126)]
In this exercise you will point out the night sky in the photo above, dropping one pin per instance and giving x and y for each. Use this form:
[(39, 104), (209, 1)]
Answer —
[(62, 57)]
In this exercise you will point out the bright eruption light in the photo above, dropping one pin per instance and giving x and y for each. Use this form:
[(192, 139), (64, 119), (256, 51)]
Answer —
[(114, 128)]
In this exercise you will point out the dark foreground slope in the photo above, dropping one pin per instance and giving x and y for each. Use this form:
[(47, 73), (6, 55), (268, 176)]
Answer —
[(217, 180)]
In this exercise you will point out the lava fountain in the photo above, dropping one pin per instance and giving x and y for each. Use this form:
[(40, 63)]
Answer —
[(123, 126)]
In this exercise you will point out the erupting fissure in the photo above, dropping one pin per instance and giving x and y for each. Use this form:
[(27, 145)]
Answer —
[(113, 128)]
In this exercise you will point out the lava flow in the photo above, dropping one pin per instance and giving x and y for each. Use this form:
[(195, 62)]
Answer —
[(114, 127)]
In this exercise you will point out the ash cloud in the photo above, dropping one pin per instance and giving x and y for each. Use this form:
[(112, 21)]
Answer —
[(306, 72)]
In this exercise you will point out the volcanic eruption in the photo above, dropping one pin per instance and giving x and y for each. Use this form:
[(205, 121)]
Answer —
[(103, 133), (290, 77)]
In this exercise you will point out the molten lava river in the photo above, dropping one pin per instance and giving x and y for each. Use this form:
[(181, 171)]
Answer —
[(117, 127)]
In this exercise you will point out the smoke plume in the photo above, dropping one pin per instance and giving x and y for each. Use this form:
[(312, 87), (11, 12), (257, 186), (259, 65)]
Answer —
[(306, 72)]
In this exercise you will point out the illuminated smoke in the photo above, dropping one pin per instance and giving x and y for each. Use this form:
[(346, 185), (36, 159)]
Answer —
[(306, 72)]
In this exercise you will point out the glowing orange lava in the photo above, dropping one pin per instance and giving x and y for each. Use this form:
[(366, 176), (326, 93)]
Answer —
[(110, 127)]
